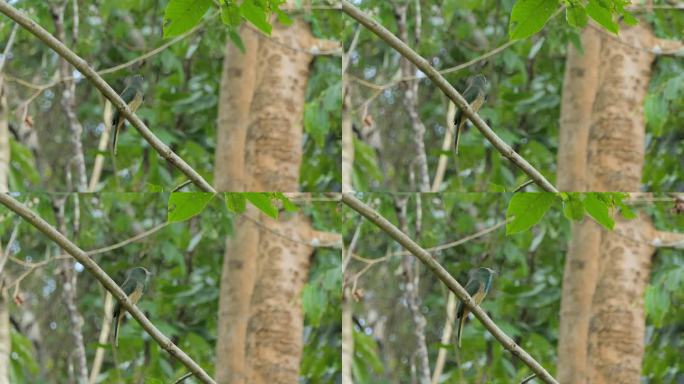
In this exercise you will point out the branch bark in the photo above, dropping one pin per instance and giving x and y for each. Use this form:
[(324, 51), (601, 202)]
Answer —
[(69, 283), (107, 282), (85, 68), (453, 285), (411, 283), (411, 99), (451, 92), (69, 101)]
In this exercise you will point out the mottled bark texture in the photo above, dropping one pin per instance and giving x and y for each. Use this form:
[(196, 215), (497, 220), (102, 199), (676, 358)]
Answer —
[(262, 97), (260, 315), (411, 100), (4, 142), (259, 148), (5, 341), (602, 149), (77, 161)]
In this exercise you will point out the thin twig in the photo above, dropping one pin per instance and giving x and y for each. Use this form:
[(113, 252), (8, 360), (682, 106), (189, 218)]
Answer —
[(182, 378), (426, 258), (118, 67), (460, 241), (451, 92), (523, 185), (92, 267), (123, 243), (107, 91)]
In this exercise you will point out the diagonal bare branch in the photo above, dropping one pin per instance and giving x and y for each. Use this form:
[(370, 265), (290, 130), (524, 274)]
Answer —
[(453, 285), (450, 91), (106, 90), (92, 267)]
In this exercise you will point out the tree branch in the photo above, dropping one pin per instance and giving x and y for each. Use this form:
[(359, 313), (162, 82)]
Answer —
[(106, 281), (453, 285), (69, 101), (107, 91), (450, 91)]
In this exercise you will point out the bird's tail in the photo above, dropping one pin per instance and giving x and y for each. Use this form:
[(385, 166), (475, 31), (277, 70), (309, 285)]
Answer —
[(117, 325), (115, 134), (457, 137), (461, 322)]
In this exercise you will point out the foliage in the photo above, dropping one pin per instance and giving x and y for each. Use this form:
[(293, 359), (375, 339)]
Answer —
[(524, 98), (526, 209), (529, 16), (525, 299), (181, 86), (186, 258)]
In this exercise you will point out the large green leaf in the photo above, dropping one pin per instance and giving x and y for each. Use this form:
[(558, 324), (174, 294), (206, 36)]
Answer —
[(181, 15), (657, 302), (184, 205), (602, 16), (263, 202), (598, 209), (526, 209), (529, 16), (256, 15)]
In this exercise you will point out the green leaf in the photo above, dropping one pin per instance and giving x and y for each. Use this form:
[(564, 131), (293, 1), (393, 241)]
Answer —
[(573, 208), (24, 351), (529, 16), (256, 15), (602, 16), (657, 302), (237, 40), (287, 204), (576, 16), (184, 205), (230, 14), (262, 201), (283, 18), (625, 210), (23, 165), (314, 302), (181, 15), (629, 19), (655, 109), (576, 41), (527, 209), (599, 210), (235, 202)]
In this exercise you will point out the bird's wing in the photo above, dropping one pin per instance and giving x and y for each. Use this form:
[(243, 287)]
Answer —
[(127, 95), (472, 288)]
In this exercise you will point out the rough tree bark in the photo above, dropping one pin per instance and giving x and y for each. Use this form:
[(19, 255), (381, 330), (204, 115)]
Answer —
[(411, 98), (411, 277), (69, 283), (69, 104), (602, 149), (5, 341), (259, 148)]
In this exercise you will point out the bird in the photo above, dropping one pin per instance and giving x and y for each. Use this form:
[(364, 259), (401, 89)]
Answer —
[(134, 286), (133, 96), (476, 95), (477, 287)]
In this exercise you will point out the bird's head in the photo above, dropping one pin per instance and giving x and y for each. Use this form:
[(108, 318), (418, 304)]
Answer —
[(140, 274), (136, 81), (478, 80), (484, 273)]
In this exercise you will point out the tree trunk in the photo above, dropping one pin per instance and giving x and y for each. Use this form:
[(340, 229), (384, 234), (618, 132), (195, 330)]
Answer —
[(602, 149), (261, 110), (4, 142), (5, 340), (259, 148)]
